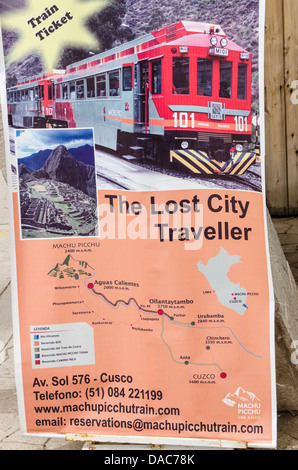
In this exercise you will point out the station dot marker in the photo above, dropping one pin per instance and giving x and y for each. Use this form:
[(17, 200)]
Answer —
[(192, 323), (90, 285), (186, 362), (160, 311), (207, 347), (223, 375)]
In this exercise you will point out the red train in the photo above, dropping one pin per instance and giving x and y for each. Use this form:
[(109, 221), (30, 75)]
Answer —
[(180, 94)]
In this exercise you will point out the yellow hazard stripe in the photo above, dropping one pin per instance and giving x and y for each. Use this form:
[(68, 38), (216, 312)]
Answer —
[(203, 156), (196, 161), (243, 169), (242, 166), (184, 162), (238, 156), (226, 170)]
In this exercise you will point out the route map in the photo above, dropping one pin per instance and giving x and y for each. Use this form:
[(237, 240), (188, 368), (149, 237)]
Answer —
[(75, 268)]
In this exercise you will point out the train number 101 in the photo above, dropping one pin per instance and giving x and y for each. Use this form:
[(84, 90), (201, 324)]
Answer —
[(241, 123), (184, 120)]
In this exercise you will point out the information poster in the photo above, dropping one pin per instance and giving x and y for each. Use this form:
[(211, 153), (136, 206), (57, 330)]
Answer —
[(142, 297)]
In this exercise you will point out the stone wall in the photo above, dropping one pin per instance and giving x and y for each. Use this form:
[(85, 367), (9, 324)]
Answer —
[(286, 324)]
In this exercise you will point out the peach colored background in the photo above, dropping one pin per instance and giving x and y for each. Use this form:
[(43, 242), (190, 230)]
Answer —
[(164, 271)]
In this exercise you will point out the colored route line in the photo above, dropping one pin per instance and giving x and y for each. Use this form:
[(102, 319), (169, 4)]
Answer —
[(161, 312), (223, 375)]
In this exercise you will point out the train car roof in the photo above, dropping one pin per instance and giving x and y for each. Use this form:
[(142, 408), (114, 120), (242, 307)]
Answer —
[(203, 40), (37, 78), (159, 37)]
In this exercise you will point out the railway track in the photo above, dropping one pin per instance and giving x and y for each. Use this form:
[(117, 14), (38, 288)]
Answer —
[(250, 181), (109, 183), (231, 182), (242, 182)]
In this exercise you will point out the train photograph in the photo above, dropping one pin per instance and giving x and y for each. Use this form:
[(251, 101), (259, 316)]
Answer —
[(169, 109)]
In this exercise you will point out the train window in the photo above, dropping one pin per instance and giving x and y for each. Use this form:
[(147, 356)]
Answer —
[(225, 87), (50, 92), (90, 87), (31, 94), (65, 91), (205, 67), (127, 78), (181, 75), (72, 90), (101, 86), (156, 77), (18, 96), (242, 81), (58, 89), (114, 79), (80, 89)]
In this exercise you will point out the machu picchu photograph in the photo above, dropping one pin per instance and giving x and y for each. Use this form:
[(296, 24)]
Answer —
[(57, 183)]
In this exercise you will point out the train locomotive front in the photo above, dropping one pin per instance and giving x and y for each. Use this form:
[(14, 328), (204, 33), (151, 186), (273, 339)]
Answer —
[(200, 89), (206, 104)]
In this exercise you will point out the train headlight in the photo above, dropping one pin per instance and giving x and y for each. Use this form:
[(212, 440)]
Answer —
[(213, 41), (184, 144), (239, 147), (224, 42)]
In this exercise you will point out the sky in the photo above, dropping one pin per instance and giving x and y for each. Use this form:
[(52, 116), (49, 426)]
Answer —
[(30, 141)]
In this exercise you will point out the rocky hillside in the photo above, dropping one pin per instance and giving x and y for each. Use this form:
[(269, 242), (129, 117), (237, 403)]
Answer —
[(239, 20)]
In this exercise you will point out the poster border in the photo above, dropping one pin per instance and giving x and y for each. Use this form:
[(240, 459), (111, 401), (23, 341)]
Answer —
[(194, 442)]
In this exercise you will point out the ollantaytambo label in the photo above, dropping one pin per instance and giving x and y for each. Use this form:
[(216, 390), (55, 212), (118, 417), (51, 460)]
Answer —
[(140, 269)]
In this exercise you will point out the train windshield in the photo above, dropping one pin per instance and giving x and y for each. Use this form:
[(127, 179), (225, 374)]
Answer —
[(205, 68), (181, 75), (225, 87)]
